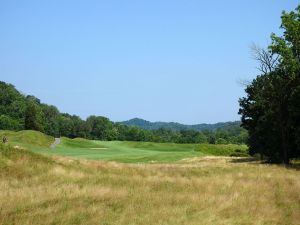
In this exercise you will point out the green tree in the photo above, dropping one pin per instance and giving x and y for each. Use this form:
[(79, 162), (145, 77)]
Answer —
[(8, 123), (101, 128), (33, 116), (50, 120), (270, 111), (65, 126)]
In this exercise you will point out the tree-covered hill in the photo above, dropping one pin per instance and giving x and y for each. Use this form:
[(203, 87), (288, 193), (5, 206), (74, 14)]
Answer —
[(26, 112), (147, 125)]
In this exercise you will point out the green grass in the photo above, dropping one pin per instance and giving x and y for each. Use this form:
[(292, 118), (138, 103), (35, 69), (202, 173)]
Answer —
[(119, 151), (37, 189), (27, 139), (137, 152)]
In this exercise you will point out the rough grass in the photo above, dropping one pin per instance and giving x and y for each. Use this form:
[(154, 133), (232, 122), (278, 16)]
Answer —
[(207, 190)]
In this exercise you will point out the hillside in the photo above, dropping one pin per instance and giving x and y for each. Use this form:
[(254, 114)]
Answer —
[(144, 124)]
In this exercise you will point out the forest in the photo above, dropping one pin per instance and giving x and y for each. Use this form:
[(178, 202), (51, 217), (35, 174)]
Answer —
[(19, 112)]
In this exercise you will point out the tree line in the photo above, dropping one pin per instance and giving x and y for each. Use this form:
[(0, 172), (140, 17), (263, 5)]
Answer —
[(271, 109), (19, 112), (147, 125)]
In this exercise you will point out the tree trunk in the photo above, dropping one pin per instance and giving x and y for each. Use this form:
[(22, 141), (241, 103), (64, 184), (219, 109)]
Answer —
[(285, 146), (284, 118), (286, 159)]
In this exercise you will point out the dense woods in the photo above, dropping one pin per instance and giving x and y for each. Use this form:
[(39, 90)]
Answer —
[(20, 112), (271, 110), (147, 125)]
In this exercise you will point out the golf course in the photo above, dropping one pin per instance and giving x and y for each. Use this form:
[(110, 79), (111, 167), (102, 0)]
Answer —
[(119, 151), (100, 182), (149, 112)]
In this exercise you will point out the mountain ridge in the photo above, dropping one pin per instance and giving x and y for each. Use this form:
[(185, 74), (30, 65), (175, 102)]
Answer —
[(148, 125)]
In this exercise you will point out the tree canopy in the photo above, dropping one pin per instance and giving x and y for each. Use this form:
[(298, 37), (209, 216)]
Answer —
[(18, 112), (271, 109)]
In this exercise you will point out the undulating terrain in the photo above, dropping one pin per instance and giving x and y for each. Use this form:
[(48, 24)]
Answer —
[(120, 151), (193, 187)]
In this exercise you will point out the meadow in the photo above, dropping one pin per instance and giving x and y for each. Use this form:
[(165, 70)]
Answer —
[(52, 188)]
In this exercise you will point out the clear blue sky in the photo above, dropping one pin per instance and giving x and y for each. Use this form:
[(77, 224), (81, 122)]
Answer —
[(161, 60)]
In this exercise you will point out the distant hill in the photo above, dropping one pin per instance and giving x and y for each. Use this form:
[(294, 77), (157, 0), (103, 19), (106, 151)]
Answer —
[(147, 125)]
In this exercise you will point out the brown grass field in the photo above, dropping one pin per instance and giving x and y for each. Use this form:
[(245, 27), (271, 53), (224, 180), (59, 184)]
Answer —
[(208, 190)]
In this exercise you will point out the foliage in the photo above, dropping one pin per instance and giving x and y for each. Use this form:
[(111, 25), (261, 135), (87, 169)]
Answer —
[(271, 110), (18, 112), (8, 123), (33, 116), (146, 125)]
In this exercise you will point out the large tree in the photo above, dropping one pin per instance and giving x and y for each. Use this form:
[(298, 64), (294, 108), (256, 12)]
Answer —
[(270, 111), (33, 116), (101, 128)]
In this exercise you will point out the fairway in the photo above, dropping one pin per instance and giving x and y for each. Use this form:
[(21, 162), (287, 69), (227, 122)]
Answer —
[(119, 151), (150, 113), (204, 190)]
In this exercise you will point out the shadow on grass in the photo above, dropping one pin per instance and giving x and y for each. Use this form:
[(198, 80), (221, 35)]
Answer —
[(294, 165), (246, 160)]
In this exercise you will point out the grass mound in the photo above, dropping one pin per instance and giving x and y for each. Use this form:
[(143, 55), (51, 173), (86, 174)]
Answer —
[(160, 147), (28, 138), (79, 143)]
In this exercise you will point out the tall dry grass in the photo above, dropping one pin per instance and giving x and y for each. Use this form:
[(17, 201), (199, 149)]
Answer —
[(199, 191)]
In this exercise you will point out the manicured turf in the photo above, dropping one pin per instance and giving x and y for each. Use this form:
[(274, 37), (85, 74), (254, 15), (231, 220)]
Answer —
[(120, 151)]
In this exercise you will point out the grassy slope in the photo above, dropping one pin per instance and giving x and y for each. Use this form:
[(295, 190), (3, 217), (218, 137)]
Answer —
[(36, 189), (134, 152), (131, 152), (27, 139)]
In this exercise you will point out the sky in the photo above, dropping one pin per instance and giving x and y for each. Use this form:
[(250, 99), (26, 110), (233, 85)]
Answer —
[(160, 60)]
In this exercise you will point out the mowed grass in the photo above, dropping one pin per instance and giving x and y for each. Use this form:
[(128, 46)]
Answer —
[(137, 152), (38, 189), (119, 151)]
